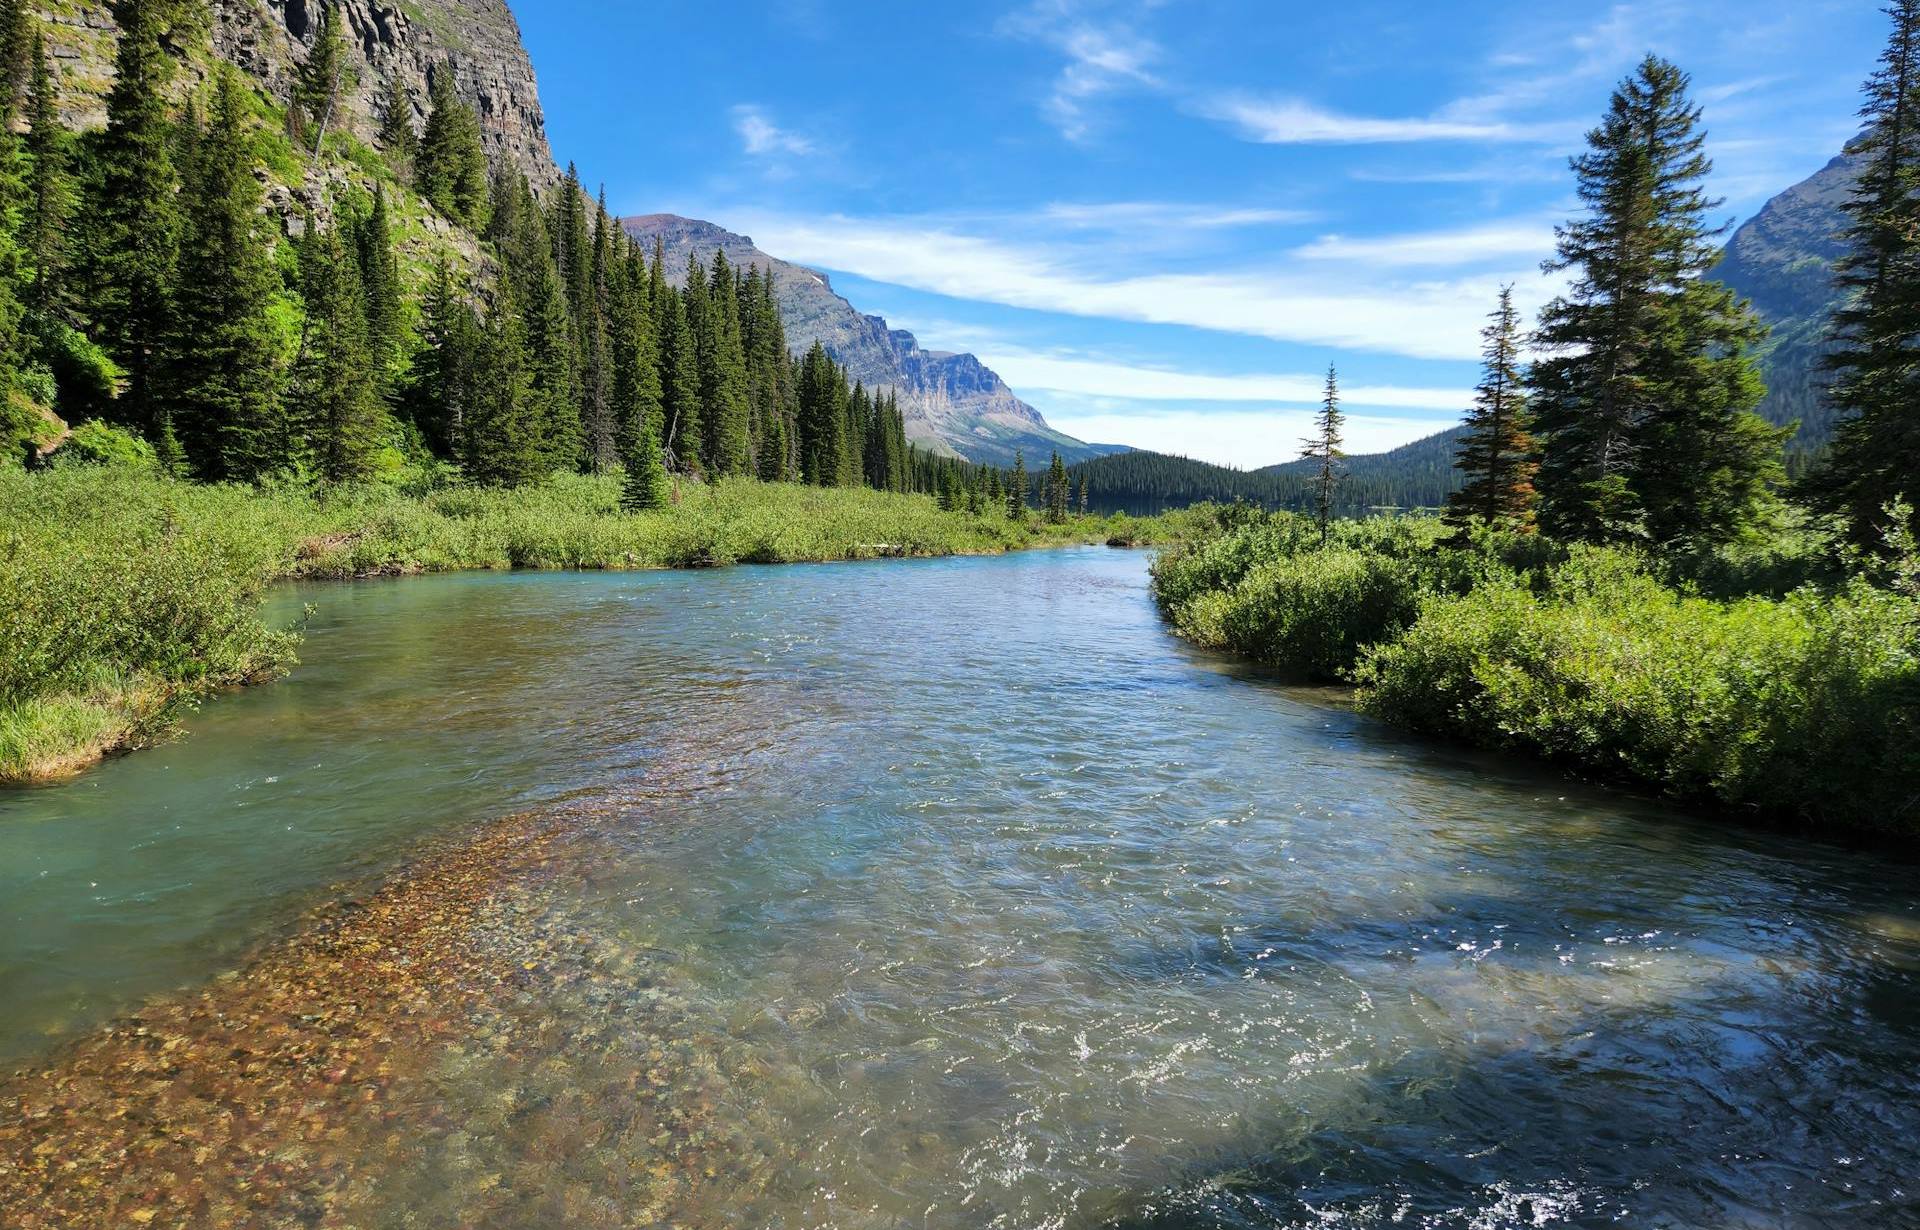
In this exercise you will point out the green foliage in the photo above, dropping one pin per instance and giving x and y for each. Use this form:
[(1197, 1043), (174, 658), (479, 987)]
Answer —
[(99, 443), (1803, 702), (120, 594), (1806, 707), (451, 167), (1644, 402)]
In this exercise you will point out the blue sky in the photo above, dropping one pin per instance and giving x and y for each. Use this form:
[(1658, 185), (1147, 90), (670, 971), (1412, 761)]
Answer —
[(1160, 220)]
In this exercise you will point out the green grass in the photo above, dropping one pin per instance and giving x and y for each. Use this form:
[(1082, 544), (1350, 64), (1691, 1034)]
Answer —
[(125, 596), (1800, 703)]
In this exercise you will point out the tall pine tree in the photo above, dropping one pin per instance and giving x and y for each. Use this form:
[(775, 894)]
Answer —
[(1324, 447), (1875, 458), (1496, 455), (131, 227), (451, 167), (221, 370), (1644, 405)]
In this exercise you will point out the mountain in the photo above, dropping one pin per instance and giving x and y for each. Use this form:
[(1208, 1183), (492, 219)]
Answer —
[(477, 41), (1416, 475), (1782, 259), (953, 403)]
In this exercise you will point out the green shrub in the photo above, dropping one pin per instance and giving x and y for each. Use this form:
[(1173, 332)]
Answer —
[(98, 443), (1807, 706)]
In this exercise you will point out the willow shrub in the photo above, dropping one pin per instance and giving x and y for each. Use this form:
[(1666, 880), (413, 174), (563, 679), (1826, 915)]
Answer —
[(1805, 706)]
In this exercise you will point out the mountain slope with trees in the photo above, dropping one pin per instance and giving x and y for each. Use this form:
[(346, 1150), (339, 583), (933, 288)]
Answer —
[(954, 405)]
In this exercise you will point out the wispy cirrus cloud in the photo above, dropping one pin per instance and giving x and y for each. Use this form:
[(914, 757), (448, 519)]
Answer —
[(1304, 302), (1290, 121), (1515, 240), (761, 137), (1104, 54)]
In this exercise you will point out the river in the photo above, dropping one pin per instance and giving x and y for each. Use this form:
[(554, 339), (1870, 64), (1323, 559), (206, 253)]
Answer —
[(934, 894)]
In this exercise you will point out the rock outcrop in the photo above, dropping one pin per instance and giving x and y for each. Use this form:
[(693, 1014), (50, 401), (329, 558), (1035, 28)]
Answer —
[(477, 41)]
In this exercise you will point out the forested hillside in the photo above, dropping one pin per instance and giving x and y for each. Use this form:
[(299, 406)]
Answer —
[(1416, 475)]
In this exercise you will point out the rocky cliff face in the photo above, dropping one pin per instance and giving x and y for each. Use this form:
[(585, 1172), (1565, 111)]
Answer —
[(1783, 260), (953, 403), (477, 41)]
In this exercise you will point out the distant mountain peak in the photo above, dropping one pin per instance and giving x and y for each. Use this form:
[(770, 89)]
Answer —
[(953, 403)]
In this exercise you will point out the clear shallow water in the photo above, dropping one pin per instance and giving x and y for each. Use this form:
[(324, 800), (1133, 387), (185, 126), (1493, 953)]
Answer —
[(956, 893)]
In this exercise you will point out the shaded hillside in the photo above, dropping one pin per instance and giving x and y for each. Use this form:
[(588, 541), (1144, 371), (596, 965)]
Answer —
[(1782, 260), (1416, 475), (954, 404)]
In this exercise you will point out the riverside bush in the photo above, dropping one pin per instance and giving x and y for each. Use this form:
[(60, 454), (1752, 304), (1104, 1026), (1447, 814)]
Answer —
[(1804, 704), (1807, 706)]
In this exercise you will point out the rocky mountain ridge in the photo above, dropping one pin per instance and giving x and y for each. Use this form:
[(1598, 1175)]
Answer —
[(953, 403), (476, 41)]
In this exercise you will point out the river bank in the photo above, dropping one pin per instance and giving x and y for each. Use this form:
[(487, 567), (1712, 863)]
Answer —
[(1767, 685), (124, 597)]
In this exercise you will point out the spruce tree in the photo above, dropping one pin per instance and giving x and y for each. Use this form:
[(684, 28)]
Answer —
[(49, 193), (131, 221), (1017, 489), (333, 377), (220, 377), (638, 403), (1058, 490), (451, 168), (723, 377), (1644, 406), (1085, 495), (1875, 459), (645, 487), (397, 135), (380, 284), (502, 433), (322, 78), (1324, 447), (1496, 454), (446, 365), (679, 378)]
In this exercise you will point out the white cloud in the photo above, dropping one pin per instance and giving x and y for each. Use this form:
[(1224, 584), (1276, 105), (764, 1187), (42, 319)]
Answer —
[(1293, 122), (1436, 319), (1500, 241), (1128, 215), (1246, 439), (1095, 377), (760, 136), (1103, 56)]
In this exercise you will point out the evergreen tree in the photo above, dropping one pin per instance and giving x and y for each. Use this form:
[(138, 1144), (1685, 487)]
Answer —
[(19, 35), (1058, 490), (723, 376), (397, 135), (822, 418), (1644, 407), (1085, 496), (451, 168), (679, 375), (333, 377), (1875, 458), (645, 487), (322, 78), (502, 444), (446, 366), (1324, 447), (1496, 455), (220, 373), (380, 285), (1017, 489), (49, 194), (131, 227), (639, 404)]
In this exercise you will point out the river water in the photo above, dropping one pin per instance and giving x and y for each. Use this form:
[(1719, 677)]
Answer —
[(932, 894)]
